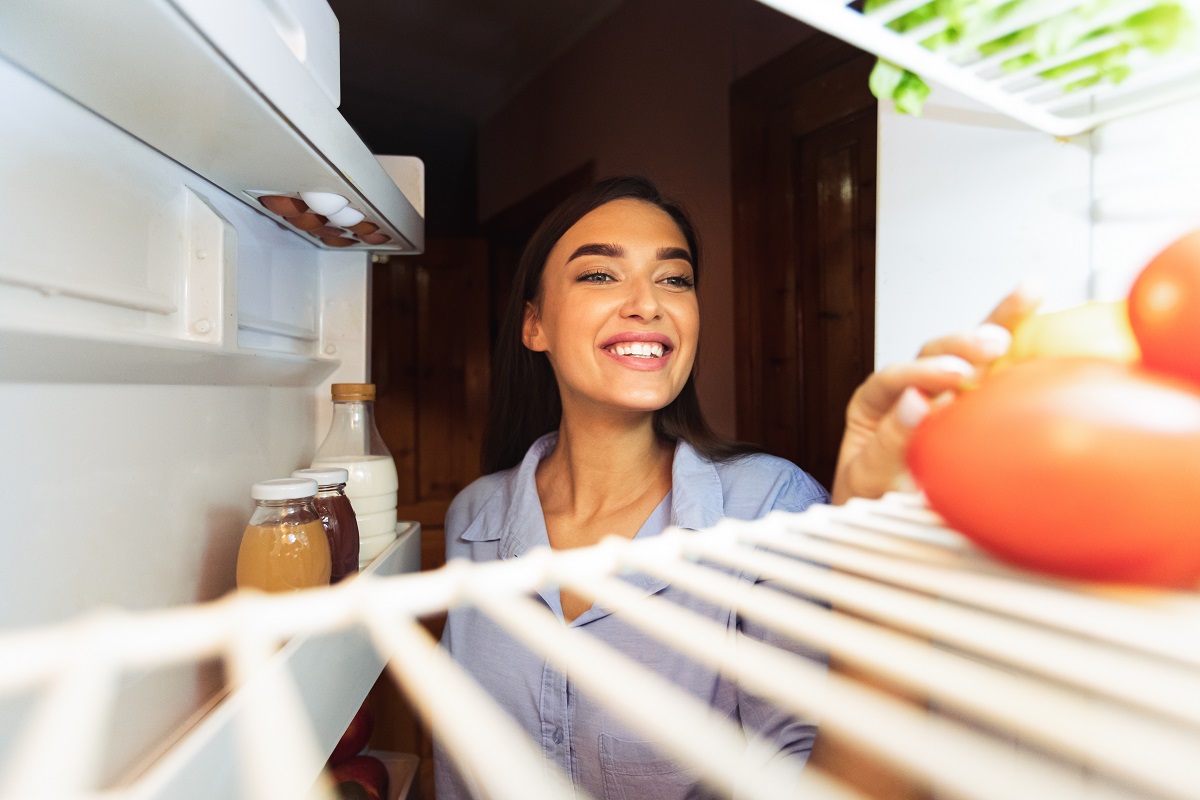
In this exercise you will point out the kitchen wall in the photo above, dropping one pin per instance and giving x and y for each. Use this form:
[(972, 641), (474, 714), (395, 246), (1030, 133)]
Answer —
[(647, 91), (971, 203)]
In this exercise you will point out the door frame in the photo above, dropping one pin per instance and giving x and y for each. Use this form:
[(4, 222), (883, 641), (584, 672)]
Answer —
[(763, 119)]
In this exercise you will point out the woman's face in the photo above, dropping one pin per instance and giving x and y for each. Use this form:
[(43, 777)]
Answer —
[(617, 315)]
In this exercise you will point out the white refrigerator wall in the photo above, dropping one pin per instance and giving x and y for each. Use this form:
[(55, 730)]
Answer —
[(162, 347), (971, 204)]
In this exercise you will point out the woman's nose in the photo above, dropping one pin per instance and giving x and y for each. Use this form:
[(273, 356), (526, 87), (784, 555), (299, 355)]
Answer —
[(641, 301)]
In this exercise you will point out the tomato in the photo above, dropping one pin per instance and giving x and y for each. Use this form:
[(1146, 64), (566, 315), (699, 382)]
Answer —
[(1094, 329), (1079, 467), (1164, 309)]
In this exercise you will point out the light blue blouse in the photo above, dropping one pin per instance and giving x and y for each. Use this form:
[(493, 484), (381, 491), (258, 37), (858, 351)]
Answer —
[(500, 516)]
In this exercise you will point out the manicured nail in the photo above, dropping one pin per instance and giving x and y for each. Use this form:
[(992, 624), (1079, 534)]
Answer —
[(992, 340), (912, 408), (1032, 288), (952, 364)]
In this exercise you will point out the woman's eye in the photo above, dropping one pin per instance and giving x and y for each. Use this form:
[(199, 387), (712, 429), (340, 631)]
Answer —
[(595, 277), (680, 281)]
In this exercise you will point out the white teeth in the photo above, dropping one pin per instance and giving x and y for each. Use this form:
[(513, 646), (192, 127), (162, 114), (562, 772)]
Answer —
[(638, 349)]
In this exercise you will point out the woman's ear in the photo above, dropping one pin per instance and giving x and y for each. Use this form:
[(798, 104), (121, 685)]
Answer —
[(531, 330)]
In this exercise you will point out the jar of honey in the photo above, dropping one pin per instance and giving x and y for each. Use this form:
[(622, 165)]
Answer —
[(337, 515), (285, 546)]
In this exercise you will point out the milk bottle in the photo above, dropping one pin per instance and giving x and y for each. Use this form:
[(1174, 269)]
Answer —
[(354, 444)]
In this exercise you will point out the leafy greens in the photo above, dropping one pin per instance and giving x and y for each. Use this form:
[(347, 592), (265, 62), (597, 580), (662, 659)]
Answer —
[(1162, 27)]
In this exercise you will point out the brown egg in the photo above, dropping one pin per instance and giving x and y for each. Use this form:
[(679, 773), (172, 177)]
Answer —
[(327, 230), (283, 205), (307, 222), (363, 228), (337, 241), (376, 238)]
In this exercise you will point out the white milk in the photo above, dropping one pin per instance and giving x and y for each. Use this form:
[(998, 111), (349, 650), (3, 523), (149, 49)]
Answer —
[(372, 491)]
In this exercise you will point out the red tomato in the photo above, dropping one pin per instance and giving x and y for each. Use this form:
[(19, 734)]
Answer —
[(1083, 468), (1164, 309)]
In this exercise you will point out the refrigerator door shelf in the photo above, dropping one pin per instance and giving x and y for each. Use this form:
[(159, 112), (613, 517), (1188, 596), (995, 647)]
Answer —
[(214, 85), (331, 673)]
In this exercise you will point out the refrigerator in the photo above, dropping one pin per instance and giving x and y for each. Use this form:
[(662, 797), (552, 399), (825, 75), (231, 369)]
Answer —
[(170, 325)]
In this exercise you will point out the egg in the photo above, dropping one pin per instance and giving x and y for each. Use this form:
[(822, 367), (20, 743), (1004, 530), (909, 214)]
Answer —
[(324, 202), (346, 217)]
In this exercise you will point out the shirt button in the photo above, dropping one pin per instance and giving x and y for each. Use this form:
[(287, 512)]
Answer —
[(558, 737)]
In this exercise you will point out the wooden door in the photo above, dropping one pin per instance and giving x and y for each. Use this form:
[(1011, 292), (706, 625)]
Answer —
[(804, 223), (429, 360)]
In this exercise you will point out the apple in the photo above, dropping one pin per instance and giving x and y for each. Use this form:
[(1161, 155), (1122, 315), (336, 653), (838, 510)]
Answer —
[(361, 776), (354, 740)]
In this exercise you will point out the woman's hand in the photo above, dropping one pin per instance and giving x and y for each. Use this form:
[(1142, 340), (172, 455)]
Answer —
[(888, 406)]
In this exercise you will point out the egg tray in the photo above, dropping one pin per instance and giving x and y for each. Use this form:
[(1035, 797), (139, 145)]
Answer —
[(290, 209)]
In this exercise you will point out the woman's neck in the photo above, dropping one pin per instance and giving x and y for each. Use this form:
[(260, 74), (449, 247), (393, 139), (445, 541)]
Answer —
[(602, 463)]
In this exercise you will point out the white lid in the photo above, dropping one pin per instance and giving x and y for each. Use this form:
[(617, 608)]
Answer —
[(284, 489), (324, 476)]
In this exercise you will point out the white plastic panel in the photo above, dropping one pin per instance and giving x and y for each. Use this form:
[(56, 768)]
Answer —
[(970, 204), (1147, 175)]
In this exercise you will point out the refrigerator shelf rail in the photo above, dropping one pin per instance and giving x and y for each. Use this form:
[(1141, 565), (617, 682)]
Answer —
[(1023, 94), (1009, 684)]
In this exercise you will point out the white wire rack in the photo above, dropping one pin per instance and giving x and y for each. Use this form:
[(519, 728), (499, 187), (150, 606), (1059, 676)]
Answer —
[(1023, 94), (1012, 685)]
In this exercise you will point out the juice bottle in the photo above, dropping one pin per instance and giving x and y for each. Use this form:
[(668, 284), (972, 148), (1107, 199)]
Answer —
[(284, 547), (338, 518), (354, 444)]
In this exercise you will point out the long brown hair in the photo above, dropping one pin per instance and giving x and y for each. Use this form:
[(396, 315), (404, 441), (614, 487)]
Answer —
[(525, 401)]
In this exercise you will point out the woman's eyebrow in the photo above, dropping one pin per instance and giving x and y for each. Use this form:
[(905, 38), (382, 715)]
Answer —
[(672, 253), (606, 250)]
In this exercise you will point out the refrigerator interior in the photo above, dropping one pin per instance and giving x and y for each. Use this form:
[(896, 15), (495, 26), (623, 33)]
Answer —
[(163, 345)]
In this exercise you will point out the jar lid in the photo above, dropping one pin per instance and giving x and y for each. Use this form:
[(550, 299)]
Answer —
[(284, 489), (343, 392), (324, 476)]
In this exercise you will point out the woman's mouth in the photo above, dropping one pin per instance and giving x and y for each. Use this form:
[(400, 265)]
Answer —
[(638, 349)]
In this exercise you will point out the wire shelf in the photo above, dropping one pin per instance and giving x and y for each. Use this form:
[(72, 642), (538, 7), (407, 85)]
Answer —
[(1014, 685), (1041, 102)]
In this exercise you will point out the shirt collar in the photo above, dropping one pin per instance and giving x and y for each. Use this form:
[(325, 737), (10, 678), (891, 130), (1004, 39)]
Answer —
[(697, 499), (521, 524)]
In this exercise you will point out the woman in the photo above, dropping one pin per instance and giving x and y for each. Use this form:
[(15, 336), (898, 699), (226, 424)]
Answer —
[(596, 429)]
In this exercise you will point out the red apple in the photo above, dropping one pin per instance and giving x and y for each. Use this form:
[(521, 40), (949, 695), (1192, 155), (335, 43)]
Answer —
[(354, 740), (362, 774)]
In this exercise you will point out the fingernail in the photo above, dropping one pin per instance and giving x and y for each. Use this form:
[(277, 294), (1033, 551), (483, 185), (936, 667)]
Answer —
[(953, 364), (1032, 288), (912, 408), (992, 340)]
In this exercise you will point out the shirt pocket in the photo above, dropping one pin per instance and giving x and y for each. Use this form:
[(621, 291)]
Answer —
[(637, 771)]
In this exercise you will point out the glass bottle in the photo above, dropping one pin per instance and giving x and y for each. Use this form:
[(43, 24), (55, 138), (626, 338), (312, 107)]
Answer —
[(337, 516), (354, 444), (284, 547)]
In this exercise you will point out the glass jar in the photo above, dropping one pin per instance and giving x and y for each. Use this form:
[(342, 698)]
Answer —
[(354, 444), (337, 516), (284, 547)]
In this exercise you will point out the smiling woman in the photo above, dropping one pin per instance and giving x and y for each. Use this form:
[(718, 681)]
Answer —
[(525, 394), (596, 430)]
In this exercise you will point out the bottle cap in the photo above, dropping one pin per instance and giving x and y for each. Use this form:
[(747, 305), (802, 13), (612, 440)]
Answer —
[(284, 489), (343, 392), (324, 476)]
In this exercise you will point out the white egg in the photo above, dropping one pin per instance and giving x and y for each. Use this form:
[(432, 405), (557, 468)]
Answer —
[(346, 217), (324, 203)]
